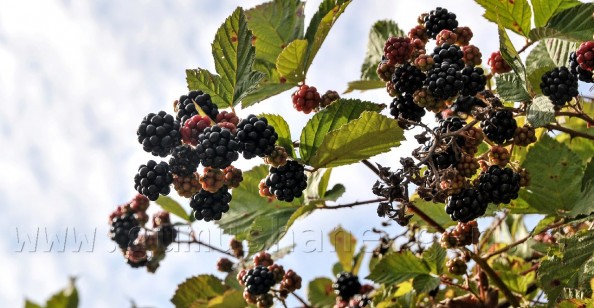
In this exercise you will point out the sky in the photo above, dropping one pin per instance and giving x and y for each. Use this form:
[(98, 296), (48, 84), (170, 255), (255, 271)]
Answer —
[(76, 78)]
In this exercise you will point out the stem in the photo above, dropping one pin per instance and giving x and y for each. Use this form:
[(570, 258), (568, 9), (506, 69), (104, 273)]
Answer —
[(370, 166), (511, 298), (195, 241), (571, 132), (528, 44), (340, 206), (299, 298), (582, 116), (520, 241)]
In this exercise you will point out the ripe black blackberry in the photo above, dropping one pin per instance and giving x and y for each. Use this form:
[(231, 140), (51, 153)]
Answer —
[(184, 160), (217, 147), (166, 235), (443, 159), (439, 19), (405, 107), (158, 133), (255, 137), (580, 73), (258, 280), (153, 179), (500, 185), (464, 104), (287, 182), (444, 81), (124, 229), (559, 85), (407, 78), (186, 109), (448, 53), (500, 126), (450, 125), (468, 205), (210, 206), (474, 80), (346, 285)]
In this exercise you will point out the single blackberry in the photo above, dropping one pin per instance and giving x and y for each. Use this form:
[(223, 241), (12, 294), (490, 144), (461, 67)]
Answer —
[(464, 35), (153, 179), (467, 166), (474, 80), (139, 203), (233, 177), (580, 73), (405, 107), (465, 104), (559, 85), (472, 55), (224, 265), (424, 99), (166, 235), (217, 147), (448, 53), (185, 106), (306, 99), (124, 230), (227, 117), (193, 128), (291, 281), (585, 55), (439, 19), (236, 248), (184, 160), (499, 155), (444, 81), (424, 62), (158, 133), (500, 126), (255, 137), (346, 285), (407, 78), (398, 50), (524, 135), (212, 179), (446, 37), (186, 186), (497, 64), (473, 137), (278, 271), (500, 185), (329, 97), (457, 266), (468, 205), (136, 256), (210, 206), (453, 185), (262, 258), (287, 182), (258, 280), (418, 32), (385, 70), (264, 300), (277, 158)]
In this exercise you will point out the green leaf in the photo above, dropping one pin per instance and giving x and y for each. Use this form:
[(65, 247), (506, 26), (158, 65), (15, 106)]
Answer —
[(435, 257), (363, 85), (282, 129), (201, 79), (337, 269), (585, 203), (362, 138), (574, 24), (291, 61), (425, 283), (573, 267), (301, 212), (434, 210), (538, 62), (197, 290), (559, 50), (583, 147), (511, 56), (230, 299), (398, 267), (66, 298), (545, 9), (344, 244), (358, 260), (541, 112), (336, 115), (335, 192), (379, 33), (30, 304), (509, 270), (264, 91), (543, 223), (511, 88), (317, 183), (173, 207), (320, 292), (514, 15), (588, 174), (269, 228)]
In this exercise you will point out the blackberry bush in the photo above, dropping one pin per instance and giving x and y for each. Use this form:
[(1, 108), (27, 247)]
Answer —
[(210, 206), (255, 137), (500, 126), (559, 85), (346, 285), (217, 147), (158, 133), (500, 185), (287, 182), (186, 109), (153, 179)]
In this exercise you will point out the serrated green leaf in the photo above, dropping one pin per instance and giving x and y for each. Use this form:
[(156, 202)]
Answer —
[(434, 210), (200, 79), (545, 9), (581, 146), (398, 267), (231, 280), (320, 292), (268, 228), (330, 119), (317, 183), (173, 207), (538, 62), (379, 33), (509, 270), (435, 257), (511, 88), (543, 223), (335, 192), (344, 244), (511, 56), (588, 175), (263, 91), (425, 283), (290, 63), (197, 290), (541, 112), (514, 15), (30, 304), (364, 85), (230, 299), (585, 203), (282, 129), (66, 298), (574, 24), (559, 50), (362, 138)]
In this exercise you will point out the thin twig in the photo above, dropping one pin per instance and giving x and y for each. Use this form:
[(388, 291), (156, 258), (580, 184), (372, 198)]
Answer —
[(464, 288), (528, 44), (571, 132), (299, 298), (370, 166), (490, 230), (424, 216), (195, 241), (520, 241), (581, 115), (340, 206)]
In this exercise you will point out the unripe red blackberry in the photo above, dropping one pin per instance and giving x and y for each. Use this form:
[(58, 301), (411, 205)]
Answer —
[(287, 182), (407, 79), (212, 179), (398, 50), (192, 128), (467, 205), (446, 37), (346, 285), (404, 107), (186, 108), (153, 179), (184, 160), (418, 32), (328, 98), (418, 48), (385, 70), (278, 271), (224, 265), (228, 125), (474, 80), (158, 133), (277, 158), (233, 177), (291, 281), (217, 147), (439, 19), (236, 248), (467, 166), (264, 191), (258, 280), (227, 117), (499, 155), (500, 185), (585, 55), (390, 89), (497, 64), (457, 266), (424, 62), (262, 258), (500, 126), (464, 35), (559, 85), (139, 203), (210, 206), (424, 99), (186, 186), (472, 55), (580, 73), (256, 137), (306, 99)]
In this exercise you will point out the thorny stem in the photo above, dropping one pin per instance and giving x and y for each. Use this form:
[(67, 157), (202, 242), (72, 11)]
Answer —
[(580, 115), (370, 166), (340, 206), (299, 298), (571, 132)]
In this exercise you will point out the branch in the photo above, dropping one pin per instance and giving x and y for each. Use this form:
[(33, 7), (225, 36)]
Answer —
[(582, 116), (520, 241), (299, 298), (571, 132), (195, 241), (528, 44), (426, 218), (511, 298), (340, 206), (370, 166)]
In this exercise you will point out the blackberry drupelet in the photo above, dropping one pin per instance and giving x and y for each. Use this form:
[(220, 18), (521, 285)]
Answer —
[(577, 71), (500, 185), (444, 81), (448, 53), (210, 206), (439, 19), (184, 160), (474, 80), (346, 285), (158, 133), (405, 107), (287, 182), (186, 109), (468, 205), (153, 179), (217, 147), (500, 126), (559, 85), (124, 230), (258, 280), (255, 137), (407, 78)]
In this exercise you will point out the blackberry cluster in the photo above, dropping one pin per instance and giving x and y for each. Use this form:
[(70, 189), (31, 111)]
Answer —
[(158, 133), (306, 99), (255, 137), (524, 135), (407, 78), (153, 179), (258, 280), (445, 158), (580, 73), (184, 160), (474, 80), (559, 85), (500, 126), (277, 158), (287, 182), (499, 155), (448, 53), (210, 206), (186, 109), (444, 81), (124, 229), (468, 205), (405, 107), (467, 165), (497, 64), (328, 98), (500, 185), (439, 19), (224, 265), (464, 104), (346, 285), (217, 147)]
